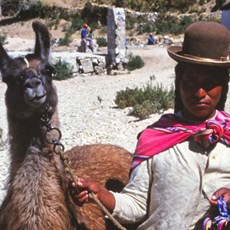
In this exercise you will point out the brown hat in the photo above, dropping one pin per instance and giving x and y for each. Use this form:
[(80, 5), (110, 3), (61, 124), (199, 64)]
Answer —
[(205, 43)]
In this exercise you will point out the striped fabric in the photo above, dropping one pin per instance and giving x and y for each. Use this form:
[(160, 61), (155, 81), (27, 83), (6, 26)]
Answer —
[(170, 130)]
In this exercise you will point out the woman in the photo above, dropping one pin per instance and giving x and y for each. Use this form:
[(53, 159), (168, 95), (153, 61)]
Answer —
[(181, 165)]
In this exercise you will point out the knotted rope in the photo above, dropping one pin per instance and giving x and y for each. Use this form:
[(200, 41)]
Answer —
[(213, 132), (58, 148)]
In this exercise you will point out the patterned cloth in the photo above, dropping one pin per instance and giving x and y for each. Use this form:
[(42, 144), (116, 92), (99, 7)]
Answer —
[(171, 129)]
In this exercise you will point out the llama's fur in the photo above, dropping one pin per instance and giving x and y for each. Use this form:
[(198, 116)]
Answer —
[(37, 192)]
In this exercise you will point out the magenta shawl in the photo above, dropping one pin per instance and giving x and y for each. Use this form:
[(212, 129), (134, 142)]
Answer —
[(170, 130)]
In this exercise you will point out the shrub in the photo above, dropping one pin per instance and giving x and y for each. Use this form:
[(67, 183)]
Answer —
[(145, 109), (64, 41), (63, 70), (101, 41), (119, 3), (135, 62), (9, 8), (125, 98), (146, 28), (146, 101), (172, 25), (93, 14), (3, 39), (76, 22)]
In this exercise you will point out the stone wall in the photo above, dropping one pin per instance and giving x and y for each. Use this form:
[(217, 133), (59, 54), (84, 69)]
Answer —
[(91, 64), (82, 63)]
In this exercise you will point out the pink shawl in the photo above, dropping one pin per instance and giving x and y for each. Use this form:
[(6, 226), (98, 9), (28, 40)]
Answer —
[(170, 130)]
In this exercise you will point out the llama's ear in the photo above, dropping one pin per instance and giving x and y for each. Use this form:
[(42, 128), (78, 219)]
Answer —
[(42, 43), (4, 58)]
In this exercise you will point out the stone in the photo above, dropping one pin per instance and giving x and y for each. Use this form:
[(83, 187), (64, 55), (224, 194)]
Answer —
[(87, 65)]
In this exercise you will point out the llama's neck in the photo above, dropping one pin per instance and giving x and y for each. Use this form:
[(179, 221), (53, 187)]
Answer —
[(25, 133), (36, 196)]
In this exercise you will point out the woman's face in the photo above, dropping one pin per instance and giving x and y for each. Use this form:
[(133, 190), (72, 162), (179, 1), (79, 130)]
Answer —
[(200, 90)]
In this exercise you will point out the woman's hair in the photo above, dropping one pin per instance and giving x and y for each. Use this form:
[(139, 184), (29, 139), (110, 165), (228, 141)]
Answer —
[(179, 71)]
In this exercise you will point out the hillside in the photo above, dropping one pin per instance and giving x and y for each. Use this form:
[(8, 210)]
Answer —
[(66, 3), (81, 3), (59, 25)]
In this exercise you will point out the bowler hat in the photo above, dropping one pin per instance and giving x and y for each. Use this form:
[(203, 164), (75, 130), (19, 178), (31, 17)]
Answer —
[(205, 43)]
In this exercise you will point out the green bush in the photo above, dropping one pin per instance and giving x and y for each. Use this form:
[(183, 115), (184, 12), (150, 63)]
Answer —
[(3, 39), (119, 3), (125, 98), (76, 22), (161, 5), (172, 25), (94, 15), (146, 28), (101, 41), (151, 99), (63, 70), (64, 41), (134, 62), (164, 24), (130, 22), (145, 109), (10, 7)]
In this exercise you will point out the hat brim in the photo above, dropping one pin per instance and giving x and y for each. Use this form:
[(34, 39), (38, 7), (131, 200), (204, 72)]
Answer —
[(175, 52)]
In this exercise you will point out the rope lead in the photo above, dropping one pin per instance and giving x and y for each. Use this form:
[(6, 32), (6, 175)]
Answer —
[(45, 121)]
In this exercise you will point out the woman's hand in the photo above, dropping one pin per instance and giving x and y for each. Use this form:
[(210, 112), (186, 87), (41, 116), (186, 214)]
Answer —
[(224, 192), (80, 193)]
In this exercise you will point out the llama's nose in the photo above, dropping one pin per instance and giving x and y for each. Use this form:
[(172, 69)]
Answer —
[(32, 83)]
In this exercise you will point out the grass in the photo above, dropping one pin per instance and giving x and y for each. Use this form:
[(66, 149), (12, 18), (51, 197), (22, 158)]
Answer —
[(63, 70), (134, 62), (151, 99)]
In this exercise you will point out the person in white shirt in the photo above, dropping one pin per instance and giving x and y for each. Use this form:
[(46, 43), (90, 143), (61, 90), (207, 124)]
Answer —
[(181, 165)]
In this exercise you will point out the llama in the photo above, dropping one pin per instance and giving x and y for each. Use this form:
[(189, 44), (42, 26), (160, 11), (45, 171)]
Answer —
[(37, 190)]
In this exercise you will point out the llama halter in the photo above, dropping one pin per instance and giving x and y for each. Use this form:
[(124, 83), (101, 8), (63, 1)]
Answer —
[(59, 148)]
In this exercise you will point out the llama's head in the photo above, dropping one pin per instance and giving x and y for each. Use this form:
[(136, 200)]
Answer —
[(29, 78)]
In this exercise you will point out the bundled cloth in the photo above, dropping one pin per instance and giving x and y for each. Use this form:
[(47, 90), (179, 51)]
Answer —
[(171, 129)]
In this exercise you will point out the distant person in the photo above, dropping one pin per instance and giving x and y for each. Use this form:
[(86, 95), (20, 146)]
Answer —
[(151, 39), (86, 37), (167, 40)]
